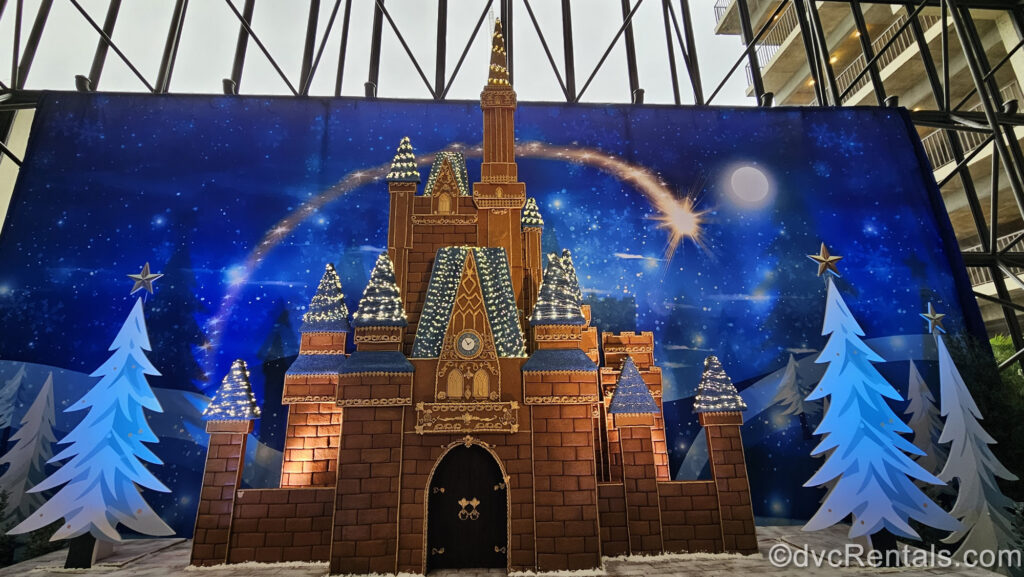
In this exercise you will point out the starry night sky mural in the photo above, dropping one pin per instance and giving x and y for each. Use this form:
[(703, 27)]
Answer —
[(239, 202)]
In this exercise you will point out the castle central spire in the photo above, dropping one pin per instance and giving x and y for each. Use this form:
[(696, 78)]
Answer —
[(498, 75)]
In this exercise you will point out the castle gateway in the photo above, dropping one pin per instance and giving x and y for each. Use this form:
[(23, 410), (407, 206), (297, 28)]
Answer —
[(482, 421)]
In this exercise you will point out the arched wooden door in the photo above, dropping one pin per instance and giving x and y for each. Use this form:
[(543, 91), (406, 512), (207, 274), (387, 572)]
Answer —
[(467, 512)]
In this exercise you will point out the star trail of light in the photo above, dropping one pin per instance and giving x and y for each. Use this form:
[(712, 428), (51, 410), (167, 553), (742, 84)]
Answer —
[(639, 177)]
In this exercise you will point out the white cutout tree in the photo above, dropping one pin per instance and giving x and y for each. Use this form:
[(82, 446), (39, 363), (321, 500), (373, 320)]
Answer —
[(986, 514), (33, 447), (98, 486), (9, 402), (924, 420)]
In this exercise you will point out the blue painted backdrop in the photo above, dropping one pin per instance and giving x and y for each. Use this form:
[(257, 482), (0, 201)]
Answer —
[(240, 201)]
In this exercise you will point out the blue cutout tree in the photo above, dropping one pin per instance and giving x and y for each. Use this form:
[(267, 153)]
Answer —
[(869, 456), (99, 485)]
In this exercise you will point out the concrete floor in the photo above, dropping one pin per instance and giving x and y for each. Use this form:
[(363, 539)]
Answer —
[(152, 558)]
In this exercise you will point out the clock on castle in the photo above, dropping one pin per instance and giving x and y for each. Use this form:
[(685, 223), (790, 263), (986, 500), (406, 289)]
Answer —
[(482, 420)]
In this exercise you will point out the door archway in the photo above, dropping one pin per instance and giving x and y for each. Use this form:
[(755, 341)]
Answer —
[(467, 511)]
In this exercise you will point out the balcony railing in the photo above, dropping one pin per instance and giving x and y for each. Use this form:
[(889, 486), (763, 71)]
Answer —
[(937, 147), (979, 275), (721, 7), (903, 40), (785, 23)]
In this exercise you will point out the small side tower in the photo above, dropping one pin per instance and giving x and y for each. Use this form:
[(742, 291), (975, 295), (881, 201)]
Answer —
[(375, 387), (229, 420), (560, 387), (310, 384), (633, 409), (588, 333), (720, 409), (403, 179), (532, 224)]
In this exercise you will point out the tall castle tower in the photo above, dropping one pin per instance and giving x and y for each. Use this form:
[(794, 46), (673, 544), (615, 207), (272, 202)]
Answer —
[(475, 425), (499, 196)]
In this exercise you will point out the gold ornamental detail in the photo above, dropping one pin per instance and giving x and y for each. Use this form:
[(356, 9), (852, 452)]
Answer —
[(444, 219), (389, 402), (467, 417), (563, 400), (309, 399)]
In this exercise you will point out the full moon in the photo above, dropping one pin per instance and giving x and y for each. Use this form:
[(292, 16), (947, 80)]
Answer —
[(750, 186)]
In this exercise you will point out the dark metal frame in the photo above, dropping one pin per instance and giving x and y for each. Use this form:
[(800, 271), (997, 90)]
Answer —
[(996, 119)]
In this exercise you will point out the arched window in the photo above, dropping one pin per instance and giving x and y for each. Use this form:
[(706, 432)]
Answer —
[(455, 385), (481, 385), (444, 203)]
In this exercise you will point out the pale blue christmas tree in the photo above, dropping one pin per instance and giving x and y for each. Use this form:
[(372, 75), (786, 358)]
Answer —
[(868, 455), (98, 488)]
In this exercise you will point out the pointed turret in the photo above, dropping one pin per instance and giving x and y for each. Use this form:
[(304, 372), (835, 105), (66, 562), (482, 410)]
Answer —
[(556, 304), (234, 400), (716, 393), (379, 324), (403, 166), (327, 311), (632, 397), (531, 215), (381, 305), (498, 74), (570, 273), (325, 353)]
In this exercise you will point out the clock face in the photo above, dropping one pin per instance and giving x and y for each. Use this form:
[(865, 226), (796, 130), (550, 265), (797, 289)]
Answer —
[(468, 344)]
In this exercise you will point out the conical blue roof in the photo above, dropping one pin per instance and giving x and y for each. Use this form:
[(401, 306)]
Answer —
[(570, 273), (381, 305), (531, 217), (556, 303), (327, 311), (403, 166), (234, 400), (716, 393), (631, 393)]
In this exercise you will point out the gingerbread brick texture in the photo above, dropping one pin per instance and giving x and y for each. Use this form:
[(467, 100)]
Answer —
[(482, 420)]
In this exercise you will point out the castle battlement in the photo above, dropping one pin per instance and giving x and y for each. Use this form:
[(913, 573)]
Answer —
[(482, 420)]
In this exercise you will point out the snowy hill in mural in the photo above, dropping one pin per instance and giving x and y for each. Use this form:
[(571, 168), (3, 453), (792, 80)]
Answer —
[(776, 439), (179, 427)]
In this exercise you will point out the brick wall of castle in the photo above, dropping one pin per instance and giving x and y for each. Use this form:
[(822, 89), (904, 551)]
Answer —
[(276, 525), (311, 445)]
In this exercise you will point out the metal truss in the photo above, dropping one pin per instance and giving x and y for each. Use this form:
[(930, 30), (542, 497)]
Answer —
[(993, 122)]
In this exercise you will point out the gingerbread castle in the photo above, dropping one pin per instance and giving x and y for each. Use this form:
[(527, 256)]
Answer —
[(480, 421)]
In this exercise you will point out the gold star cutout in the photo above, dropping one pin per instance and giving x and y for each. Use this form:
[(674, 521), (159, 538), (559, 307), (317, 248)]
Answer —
[(934, 319), (143, 280), (826, 262)]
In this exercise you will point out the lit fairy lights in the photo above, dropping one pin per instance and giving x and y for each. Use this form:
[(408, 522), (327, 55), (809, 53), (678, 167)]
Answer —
[(327, 311), (403, 166), (499, 301), (570, 275), (234, 400), (716, 393), (457, 161), (381, 305), (642, 179), (531, 217), (556, 303)]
